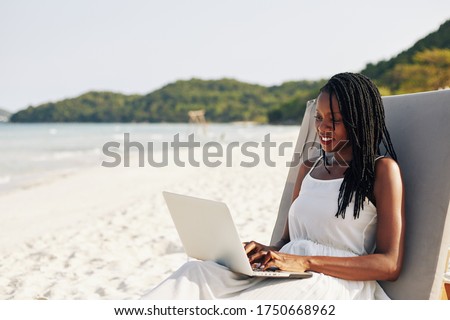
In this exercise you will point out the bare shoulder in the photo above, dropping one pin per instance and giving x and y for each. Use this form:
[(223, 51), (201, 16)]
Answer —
[(388, 177), (386, 167)]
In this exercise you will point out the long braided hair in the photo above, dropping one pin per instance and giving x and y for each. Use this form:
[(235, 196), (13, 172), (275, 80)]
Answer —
[(362, 111)]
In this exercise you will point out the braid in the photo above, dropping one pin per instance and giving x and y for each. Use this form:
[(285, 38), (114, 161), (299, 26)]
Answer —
[(363, 115)]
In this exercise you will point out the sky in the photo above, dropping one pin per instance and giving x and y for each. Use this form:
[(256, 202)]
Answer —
[(52, 49)]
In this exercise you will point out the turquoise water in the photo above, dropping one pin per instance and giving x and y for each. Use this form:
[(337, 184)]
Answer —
[(32, 152)]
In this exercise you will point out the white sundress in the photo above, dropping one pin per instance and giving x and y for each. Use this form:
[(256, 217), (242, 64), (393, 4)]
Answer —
[(314, 231)]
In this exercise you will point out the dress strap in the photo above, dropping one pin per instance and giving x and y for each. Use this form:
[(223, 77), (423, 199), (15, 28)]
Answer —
[(315, 164), (379, 157)]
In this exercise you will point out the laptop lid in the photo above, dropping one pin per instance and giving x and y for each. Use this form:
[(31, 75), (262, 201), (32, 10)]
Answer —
[(207, 231)]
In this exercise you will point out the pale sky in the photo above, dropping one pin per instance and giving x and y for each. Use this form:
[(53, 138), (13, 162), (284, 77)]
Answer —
[(53, 49)]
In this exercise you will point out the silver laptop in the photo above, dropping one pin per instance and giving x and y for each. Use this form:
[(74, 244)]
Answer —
[(207, 232)]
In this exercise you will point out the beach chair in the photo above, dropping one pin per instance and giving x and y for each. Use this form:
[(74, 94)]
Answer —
[(446, 283), (419, 125)]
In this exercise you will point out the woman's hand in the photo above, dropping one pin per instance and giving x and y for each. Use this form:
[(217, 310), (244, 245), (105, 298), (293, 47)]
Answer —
[(266, 258), (283, 261), (256, 252)]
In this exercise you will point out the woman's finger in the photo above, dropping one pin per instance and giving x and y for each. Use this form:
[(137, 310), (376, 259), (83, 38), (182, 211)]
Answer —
[(271, 266), (271, 256), (250, 246), (257, 256)]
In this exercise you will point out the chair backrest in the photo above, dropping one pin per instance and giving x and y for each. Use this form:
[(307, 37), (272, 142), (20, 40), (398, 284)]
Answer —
[(419, 125)]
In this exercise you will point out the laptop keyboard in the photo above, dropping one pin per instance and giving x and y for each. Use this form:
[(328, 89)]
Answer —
[(270, 273)]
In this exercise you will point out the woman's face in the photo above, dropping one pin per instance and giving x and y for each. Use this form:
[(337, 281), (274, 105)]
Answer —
[(332, 139)]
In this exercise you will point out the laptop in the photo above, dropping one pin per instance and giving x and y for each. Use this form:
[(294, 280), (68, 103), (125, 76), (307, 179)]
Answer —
[(208, 232)]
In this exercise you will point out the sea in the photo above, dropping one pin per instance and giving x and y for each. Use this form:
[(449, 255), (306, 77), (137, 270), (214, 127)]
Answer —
[(33, 153)]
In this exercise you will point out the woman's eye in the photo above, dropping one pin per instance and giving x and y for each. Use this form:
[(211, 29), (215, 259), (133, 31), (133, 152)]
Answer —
[(318, 118)]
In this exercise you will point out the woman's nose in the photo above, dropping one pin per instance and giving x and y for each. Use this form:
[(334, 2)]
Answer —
[(324, 126)]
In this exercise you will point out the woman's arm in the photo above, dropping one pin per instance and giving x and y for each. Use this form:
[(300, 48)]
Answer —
[(386, 262)]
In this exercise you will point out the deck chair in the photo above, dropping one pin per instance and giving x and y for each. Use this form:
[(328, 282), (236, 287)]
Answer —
[(419, 125)]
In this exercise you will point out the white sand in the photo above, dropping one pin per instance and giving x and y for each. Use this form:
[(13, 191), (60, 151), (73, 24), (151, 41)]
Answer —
[(106, 233)]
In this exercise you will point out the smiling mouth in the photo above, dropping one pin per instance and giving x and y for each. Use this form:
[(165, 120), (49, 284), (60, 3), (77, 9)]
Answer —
[(325, 140)]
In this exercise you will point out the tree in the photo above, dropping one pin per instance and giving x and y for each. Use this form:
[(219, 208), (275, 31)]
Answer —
[(430, 70)]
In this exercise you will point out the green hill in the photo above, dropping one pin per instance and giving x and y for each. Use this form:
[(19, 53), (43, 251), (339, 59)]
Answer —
[(223, 100), (89, 107), (381, 72), (425, 66)]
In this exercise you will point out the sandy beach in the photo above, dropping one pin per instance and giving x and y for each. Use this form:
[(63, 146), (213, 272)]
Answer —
[(105, 233)]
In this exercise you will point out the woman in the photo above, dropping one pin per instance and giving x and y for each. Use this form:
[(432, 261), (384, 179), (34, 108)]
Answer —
[(346, 221)]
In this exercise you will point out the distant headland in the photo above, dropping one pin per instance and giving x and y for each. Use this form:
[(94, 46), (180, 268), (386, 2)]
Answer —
[(423, 67)]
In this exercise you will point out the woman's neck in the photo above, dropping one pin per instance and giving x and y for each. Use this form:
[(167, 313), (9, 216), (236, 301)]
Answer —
[(341, 160)]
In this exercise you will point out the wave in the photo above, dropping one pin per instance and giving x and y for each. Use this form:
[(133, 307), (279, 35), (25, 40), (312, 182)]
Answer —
[(64, 155)]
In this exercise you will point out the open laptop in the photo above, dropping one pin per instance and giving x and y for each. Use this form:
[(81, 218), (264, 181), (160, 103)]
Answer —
[(208, 232)]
